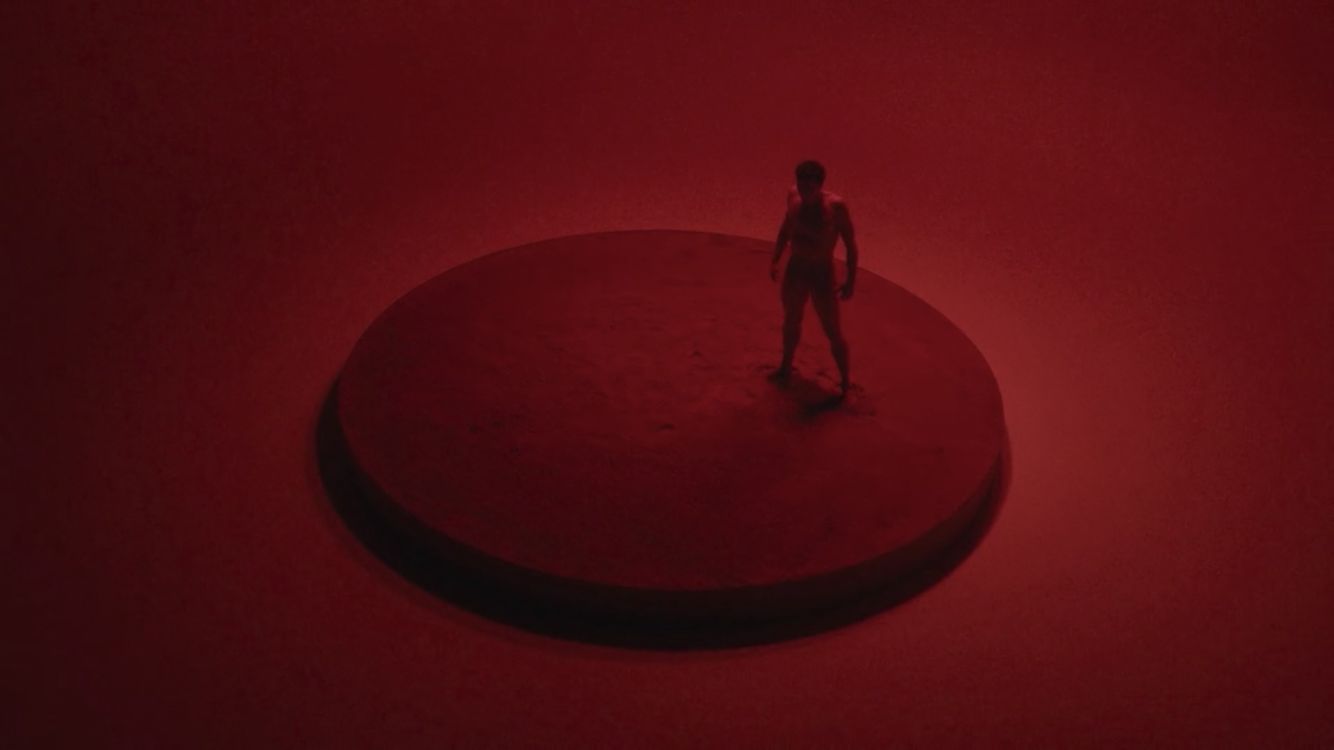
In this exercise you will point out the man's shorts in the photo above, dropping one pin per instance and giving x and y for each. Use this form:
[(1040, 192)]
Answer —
[(813, 276)]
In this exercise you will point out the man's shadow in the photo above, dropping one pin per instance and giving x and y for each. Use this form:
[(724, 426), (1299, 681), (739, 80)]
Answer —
[(810, 397)]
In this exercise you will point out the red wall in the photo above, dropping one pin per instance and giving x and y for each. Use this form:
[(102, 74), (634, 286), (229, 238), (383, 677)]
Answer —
[(1127, 207)]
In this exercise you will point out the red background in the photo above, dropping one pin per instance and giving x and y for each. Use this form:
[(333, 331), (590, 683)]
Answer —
[(1129, 208)]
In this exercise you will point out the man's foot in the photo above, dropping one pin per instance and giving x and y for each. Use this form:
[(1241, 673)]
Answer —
[(782, 375), (845, 391)]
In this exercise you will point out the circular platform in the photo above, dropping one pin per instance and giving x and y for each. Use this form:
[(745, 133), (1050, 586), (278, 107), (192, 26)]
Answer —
[(588, 420)]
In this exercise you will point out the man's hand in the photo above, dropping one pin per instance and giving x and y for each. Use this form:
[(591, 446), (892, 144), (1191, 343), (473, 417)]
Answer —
[(845, 291), (773, 270)]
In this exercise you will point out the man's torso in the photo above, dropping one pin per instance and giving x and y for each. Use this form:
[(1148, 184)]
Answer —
[(813, 227)]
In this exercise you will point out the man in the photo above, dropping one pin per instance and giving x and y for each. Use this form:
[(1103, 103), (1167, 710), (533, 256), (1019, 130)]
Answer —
[(815, 220)]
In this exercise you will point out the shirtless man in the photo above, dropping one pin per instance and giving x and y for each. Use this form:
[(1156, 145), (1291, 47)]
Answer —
[(815, 220)]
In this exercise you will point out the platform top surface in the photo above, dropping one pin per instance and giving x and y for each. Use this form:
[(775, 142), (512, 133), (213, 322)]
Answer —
[(596, 408)]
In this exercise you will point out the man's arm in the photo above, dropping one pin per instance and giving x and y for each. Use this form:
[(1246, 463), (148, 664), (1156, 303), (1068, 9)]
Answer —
[(844, 219), (784, 234)]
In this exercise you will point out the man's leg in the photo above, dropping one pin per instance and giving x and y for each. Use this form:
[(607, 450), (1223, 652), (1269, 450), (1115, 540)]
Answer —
[(794, 304), (825, 302)]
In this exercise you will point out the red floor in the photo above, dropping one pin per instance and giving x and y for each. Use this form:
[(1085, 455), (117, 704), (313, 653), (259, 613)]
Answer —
[(1128, 210)]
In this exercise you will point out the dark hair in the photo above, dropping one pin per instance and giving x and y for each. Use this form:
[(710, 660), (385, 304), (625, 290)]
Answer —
[(810, 170)]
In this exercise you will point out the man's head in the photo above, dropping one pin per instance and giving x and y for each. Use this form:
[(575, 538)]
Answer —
[(810, 178)]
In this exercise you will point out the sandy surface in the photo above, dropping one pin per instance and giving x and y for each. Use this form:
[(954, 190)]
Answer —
[(631, 437)]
